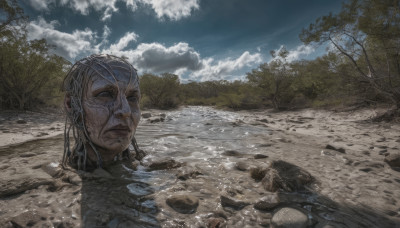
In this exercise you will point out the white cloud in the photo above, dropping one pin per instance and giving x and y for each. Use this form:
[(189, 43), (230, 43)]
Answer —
[(173, 9), (179, 58), (224, 67), (41, 4), (67, 45), (154, 57), (297, 53), (123, 42)]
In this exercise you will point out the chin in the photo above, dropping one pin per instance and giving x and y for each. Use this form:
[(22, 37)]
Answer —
[(119, 146)]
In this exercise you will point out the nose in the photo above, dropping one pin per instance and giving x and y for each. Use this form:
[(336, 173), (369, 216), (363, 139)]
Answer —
[(123, 110)]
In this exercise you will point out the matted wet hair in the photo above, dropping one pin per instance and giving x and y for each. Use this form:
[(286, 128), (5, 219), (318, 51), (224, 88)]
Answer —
[(74, 86)]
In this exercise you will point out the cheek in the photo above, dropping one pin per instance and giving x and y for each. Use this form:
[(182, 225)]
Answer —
[(96, 117), (136, 115)]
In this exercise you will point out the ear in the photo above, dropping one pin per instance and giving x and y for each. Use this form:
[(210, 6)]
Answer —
[(67, 103)]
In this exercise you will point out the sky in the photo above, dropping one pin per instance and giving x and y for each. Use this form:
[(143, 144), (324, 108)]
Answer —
[(198, 40)]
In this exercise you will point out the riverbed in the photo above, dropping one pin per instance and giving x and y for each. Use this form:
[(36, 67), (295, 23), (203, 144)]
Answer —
[(199, 172)]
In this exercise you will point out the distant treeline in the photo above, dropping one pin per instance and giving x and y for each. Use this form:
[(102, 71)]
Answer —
[(329, 80), (362, 67)]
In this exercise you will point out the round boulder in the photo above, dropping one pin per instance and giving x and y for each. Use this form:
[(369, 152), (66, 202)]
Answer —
[(184, 204), (289, 218)]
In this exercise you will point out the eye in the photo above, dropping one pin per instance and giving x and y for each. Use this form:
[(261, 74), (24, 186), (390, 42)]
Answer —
[(105, 94), (132, 98)]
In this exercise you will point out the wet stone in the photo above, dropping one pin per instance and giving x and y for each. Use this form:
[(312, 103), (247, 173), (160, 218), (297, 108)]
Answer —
[(146, 115), (258, 173), (232, 153), (336, 148), (289, 218), (232, 203), (267, 202), (27, 219), (164, 164), (27, 155), (382, 152), (155, 119), (21, 121), (393, 160), (52, 169), (285, 176), (187, 173), (184, 204), (260, 156), (242, 166), (215, 222)]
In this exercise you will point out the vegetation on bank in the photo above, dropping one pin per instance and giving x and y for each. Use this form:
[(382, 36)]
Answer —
[(362, 67)]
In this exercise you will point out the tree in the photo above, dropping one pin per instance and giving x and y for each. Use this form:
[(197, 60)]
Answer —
[(12, 15), (367, 32), (161, 92), (275, 78), (25, 68)]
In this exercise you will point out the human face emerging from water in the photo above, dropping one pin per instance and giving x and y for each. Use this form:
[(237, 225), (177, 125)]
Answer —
[(111, 109)]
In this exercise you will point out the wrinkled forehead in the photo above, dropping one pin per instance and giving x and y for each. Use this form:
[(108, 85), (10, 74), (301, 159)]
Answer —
[(114, 72)]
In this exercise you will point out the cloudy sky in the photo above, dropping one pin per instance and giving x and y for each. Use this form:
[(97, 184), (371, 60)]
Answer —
[(195, 39)]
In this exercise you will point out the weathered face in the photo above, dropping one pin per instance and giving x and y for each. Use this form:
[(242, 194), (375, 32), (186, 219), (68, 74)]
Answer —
[(112, 113)]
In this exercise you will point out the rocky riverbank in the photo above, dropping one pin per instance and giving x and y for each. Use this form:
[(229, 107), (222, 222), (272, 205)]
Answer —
[(210, 168)]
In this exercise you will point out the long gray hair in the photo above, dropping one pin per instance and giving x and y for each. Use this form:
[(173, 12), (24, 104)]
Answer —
[(74, 86)]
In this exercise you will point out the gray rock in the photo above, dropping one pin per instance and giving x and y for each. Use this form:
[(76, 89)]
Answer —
[(232, 153), (18, 183), (265, 145), (285, 176), (27, 219), (382, 152), (260, 156), (232, 203), (155, 119), (53, 169), (184, 204), (21, 121), (146, 115), (164, 163), (267, 202), (216, 222), (27, 155), (289, 218), (242, 166), (187, 173), (336, 148), (393, 159)]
